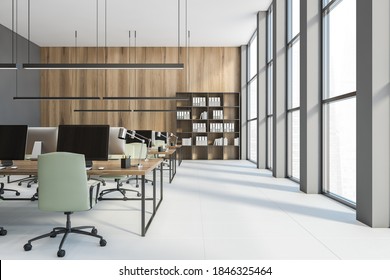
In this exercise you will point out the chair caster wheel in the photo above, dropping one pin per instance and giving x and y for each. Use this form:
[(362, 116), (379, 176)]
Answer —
[(27, 247), (103, 242), (60, 253), (139, 194), (53, 235), (3, 232), (17, 193), (20, 183), (94, 231)]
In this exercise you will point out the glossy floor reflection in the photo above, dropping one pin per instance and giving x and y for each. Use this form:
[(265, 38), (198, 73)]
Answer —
[(212, 210)]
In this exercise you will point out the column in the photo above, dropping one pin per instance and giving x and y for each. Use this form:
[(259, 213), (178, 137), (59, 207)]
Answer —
[(310, 96), (279, 90), (262, 90), (244, 124), (373, 116)]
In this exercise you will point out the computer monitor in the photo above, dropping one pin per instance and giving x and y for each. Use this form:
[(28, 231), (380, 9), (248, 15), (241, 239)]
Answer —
[(145, 134), (161, 137), (116, 146), (12, 143), (46, 135), (90, 140)]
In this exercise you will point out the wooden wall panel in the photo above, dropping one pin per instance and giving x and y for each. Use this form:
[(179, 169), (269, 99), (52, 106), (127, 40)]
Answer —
[(210, 70)]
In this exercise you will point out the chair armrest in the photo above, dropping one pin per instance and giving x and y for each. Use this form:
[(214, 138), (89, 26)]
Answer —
[(93, 194)]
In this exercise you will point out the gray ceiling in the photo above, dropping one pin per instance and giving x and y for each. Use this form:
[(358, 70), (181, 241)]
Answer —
[(211, 22)]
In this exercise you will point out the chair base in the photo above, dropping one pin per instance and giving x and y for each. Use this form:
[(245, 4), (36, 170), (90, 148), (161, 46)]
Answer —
[(66, 230), (30, 181), (2, 190), (98, 179), (3, 231), (136, 181), (117, 189)]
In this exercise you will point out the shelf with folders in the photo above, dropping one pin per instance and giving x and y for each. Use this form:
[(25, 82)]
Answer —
[(208, 125)]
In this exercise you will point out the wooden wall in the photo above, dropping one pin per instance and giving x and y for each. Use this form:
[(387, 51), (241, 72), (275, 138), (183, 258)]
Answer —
[(212, 69)]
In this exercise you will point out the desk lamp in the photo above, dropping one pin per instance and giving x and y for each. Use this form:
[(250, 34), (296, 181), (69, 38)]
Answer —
[(173, 135), (143, 137), (122, 135)]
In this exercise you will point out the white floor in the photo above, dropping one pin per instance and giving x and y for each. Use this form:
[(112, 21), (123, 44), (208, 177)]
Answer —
[(212, 210)]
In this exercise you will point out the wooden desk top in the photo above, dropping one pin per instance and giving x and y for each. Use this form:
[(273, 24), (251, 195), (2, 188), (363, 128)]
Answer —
[(111, 167), (168, 152)]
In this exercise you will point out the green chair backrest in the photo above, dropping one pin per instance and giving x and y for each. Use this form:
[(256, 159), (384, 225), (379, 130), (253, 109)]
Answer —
[(62, 182), (136, 150), (159, 143)]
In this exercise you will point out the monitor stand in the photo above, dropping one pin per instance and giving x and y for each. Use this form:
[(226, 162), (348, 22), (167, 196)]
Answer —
[(88, 164), (7, 163)]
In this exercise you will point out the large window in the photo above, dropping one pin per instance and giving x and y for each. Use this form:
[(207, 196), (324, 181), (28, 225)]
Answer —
[(293, 89), (269, 87), (339, 99), (252, 98)]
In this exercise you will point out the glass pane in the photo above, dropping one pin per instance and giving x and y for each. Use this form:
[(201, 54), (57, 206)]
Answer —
[(340, 148), (269, 34), (269, 142), (325, 2), (294, 148), (293, 18), (294, 76), (252, 153), (269, 89), (252, 100), (253, 57), (340, 49)]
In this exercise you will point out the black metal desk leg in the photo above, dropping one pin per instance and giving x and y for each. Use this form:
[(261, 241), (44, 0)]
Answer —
[(143, 229), (161, 181), (154, 190), (170, 169)]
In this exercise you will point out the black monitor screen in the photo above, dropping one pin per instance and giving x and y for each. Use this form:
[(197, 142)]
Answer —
[(145, 134), (90, 140), (161, 137), (12, 142)]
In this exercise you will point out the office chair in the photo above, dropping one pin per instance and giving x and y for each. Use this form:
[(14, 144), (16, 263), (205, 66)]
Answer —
[(135, 151), (138, 154), (2, 190), (3, 231), (30, 181), (63, 187), (161, 143)]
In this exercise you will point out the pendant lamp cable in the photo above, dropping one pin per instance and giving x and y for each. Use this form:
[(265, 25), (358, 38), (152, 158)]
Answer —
[(97, 45), (128, 71), (13, 33), (29, 30), (178, 31), (187, 46), (128, 54), (16, 47), (135, 73)]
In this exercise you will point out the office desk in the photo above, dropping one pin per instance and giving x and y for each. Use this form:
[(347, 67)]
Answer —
[(169, 154), (111, 167), (179, 153)]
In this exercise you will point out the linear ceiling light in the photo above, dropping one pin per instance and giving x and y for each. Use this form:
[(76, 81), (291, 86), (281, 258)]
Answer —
[(11, 66), (144, 98), (54, 98), (121, 110), (103, 66), (110, 66)]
